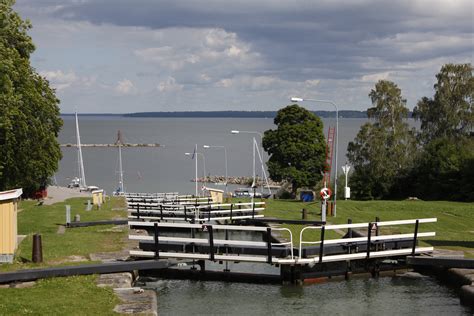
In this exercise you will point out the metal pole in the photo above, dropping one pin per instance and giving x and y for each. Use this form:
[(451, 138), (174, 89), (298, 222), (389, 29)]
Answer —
[(226, 178), (196, 169), (335, 169)]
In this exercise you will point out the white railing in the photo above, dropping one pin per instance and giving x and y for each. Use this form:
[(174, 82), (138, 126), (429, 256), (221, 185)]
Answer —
[(211, 241), (368, 239)]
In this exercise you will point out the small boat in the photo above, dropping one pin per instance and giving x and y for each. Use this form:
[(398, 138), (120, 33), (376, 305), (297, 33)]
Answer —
[(244, 192)]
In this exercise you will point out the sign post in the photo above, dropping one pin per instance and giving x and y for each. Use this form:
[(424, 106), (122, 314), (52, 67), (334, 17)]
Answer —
[(325, 194)]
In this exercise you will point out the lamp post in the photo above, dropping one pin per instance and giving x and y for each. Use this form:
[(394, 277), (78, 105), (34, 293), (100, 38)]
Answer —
[(225, 161), (295, 99), (346, 169), (203, 164), (261, 143)]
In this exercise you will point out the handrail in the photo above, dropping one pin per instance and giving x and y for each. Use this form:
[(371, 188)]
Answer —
[(364, 225)]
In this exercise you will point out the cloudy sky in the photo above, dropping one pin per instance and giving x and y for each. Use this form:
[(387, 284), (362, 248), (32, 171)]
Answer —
[(120, 56)]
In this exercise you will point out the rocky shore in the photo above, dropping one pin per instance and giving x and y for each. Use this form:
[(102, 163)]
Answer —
[(247, 181)]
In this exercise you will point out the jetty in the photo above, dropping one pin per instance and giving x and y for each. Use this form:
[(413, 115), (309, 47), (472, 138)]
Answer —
[(111, 145)]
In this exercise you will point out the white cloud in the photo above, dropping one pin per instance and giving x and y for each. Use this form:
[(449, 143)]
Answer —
[(199, 48), (169, 85), (376, 76), (58, 79), (125, 86)]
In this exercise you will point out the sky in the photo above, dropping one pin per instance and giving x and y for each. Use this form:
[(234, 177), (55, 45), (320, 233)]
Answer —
[(122, 56)]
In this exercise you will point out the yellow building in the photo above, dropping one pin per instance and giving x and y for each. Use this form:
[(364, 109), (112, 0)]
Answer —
[(8, 223), (216, 195), (98, 197)]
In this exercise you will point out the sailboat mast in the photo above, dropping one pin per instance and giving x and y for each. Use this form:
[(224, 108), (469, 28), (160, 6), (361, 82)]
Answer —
[(119, 143), (82, 183)]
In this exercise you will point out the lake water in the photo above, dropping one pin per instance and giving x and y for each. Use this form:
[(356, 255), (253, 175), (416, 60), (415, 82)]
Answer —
[(382, 296), (167, 168)]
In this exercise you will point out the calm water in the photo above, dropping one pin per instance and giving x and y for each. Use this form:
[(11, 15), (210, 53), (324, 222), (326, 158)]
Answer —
[(167, 168), (383, 296)]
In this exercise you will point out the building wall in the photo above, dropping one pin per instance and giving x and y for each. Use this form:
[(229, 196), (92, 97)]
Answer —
[(8, 227)]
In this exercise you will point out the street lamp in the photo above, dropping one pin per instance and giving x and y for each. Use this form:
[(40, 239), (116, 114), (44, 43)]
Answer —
[(295, 99), (203, 164), (225, 161), (261, 142), (346, 169)]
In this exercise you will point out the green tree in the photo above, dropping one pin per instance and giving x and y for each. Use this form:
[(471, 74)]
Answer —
[(383, 151), (445, 168), (450, 111), (297, 148), (29, 112)]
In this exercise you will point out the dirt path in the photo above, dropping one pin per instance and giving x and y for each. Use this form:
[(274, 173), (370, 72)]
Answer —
[(58, 194)]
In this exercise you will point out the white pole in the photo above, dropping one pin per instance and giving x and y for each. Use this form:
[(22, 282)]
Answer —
[(196, 169), (81, 162), (335, 169), (263, 170), (226, 177), (122, 186)]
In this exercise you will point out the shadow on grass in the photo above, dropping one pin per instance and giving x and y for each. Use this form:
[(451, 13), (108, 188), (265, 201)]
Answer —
[(451, 243)]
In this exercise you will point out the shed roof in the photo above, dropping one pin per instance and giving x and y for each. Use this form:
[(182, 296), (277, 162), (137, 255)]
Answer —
[(212, 190), (11, 194)]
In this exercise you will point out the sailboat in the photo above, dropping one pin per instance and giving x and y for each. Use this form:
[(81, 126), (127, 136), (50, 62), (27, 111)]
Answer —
[(121, 189), (80, 182)]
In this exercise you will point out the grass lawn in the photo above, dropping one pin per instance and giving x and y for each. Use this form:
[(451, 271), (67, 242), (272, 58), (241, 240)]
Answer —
[(77, 295), (454, 229), (73, 295), (46, 220)]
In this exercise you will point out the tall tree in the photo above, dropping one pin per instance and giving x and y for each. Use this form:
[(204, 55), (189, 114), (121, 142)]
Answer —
[(383, 151), (297, 147), (450, 111), (29, 112), (445, 166)]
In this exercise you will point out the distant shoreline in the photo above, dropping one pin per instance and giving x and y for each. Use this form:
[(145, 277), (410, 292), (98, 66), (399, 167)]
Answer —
[(223, 114)]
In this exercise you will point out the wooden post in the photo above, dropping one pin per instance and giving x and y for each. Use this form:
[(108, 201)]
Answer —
[(269, 245), (155, 232), (211, 242), (321, 245), (414, 238)]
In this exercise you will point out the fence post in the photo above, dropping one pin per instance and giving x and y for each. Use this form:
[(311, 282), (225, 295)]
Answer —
[(321, 245), (414, 238), (269, 245), (211, 242), (161, 211), (138, 210), (369, 234), (231, 206), (253, 210), (155, 231), (304, 214), (68, 215)]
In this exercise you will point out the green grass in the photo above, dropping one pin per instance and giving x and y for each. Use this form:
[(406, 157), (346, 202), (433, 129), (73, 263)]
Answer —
[(63, 296), (46, 219), (454, 229), (59, 296)]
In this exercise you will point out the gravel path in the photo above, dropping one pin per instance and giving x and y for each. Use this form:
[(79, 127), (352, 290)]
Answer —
[(58, 194)]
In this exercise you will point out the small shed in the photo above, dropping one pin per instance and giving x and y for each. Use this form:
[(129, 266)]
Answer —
[(216, 195), (98, 197), (8, 223)]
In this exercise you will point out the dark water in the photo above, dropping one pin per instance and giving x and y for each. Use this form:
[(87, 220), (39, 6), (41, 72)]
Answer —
[(383, 296), (167, 168)]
